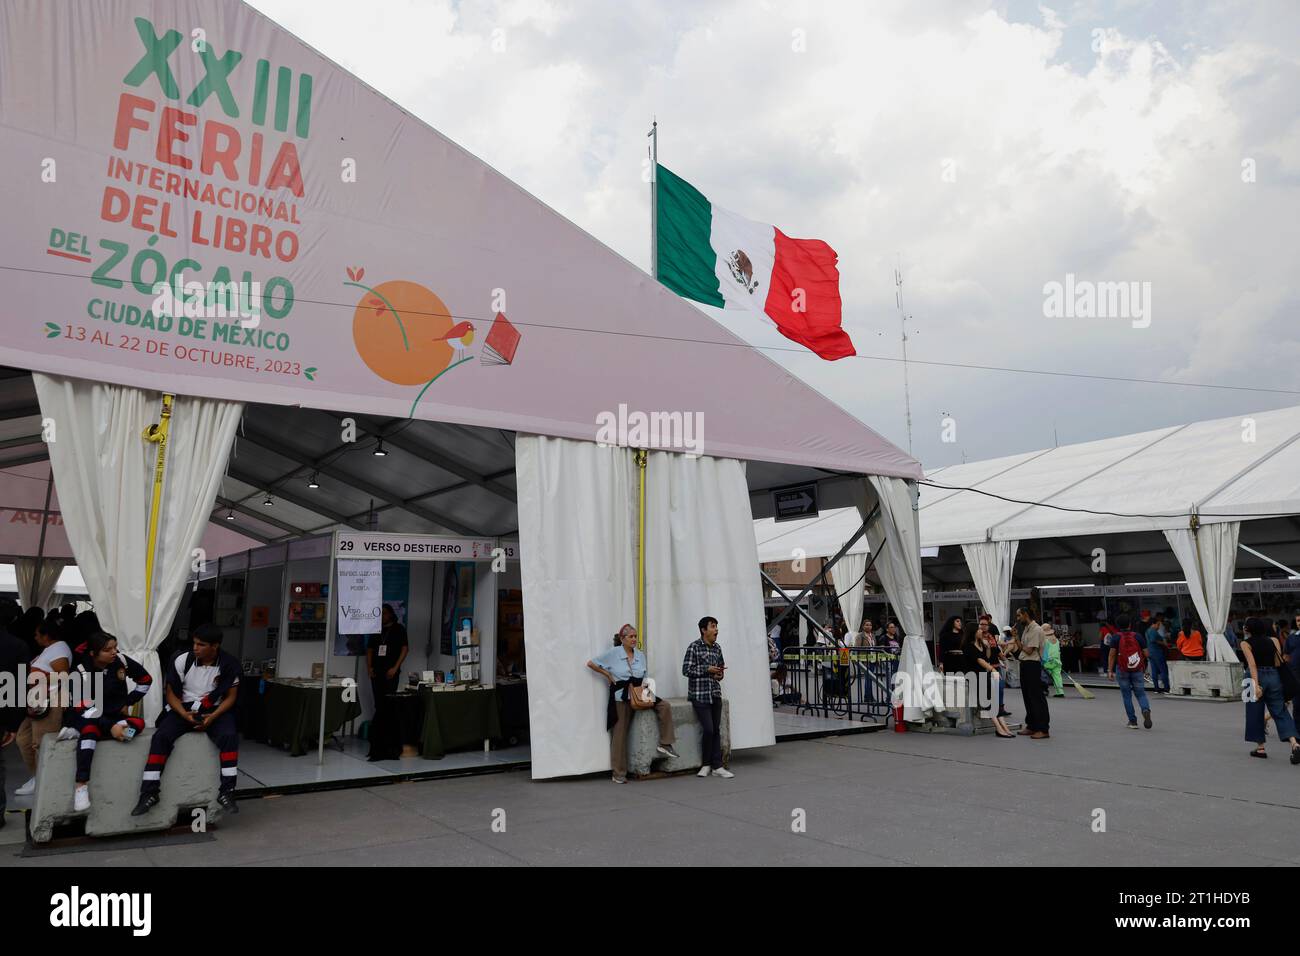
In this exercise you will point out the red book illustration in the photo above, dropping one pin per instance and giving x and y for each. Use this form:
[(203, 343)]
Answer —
[(501, 342)]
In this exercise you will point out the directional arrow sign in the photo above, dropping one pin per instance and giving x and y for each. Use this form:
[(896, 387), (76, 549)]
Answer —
[(795, 502)]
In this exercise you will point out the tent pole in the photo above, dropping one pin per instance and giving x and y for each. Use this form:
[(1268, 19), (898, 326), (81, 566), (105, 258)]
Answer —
[(155, 434), (827, 565), (642, 459), (40, 549), (325, 651)]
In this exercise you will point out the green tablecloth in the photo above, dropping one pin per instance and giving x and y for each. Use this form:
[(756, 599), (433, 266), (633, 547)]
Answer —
[(293, 714), (458, 718)]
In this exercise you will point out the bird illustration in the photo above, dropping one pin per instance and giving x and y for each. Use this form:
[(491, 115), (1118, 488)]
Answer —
[(459, 335)]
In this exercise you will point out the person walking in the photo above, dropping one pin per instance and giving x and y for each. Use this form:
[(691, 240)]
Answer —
[(704, 667), (1263, 655), (1126, 665), (624, 666), (1157, 648), (1291, 657), (1028, 644)]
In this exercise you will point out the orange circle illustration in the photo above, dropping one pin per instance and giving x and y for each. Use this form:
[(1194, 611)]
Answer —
[(395, 327)]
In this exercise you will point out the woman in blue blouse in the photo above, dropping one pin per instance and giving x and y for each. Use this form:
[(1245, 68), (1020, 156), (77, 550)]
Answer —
[(624, 665)]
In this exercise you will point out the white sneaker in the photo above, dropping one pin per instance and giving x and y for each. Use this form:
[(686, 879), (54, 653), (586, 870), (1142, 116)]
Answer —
[(723, 772), (68, 733), (81, 798), (27, 789), (704, 771)]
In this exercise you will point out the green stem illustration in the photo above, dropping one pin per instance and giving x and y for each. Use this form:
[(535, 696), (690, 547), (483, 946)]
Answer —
[(434, 379), (405, 341)]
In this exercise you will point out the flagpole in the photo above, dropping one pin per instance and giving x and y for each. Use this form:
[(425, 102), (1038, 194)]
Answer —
[(902, 316), (654, 198), (642, 458)]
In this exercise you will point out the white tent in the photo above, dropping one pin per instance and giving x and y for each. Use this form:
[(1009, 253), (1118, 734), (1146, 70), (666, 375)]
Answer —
[(1194, 483), (1115, 510), (416, 301)]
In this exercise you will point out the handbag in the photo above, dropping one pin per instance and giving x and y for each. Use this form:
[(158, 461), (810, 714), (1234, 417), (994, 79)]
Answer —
[(640, 697)]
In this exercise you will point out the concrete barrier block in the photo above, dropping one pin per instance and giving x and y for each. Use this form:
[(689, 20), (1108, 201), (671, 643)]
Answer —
[(643, 739), (190, 780), (1219, 680)]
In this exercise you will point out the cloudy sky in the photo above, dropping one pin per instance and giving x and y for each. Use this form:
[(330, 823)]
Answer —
[(988, 148)]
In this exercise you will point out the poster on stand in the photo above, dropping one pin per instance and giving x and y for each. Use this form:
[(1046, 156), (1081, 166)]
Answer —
[(360, 593)]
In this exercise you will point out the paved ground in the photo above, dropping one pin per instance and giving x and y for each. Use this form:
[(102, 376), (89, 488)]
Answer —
[(1182, 793)]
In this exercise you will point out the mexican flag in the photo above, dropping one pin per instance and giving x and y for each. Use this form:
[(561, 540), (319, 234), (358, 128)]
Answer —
[(713, 256)]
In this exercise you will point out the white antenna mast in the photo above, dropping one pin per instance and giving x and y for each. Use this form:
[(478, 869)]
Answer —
[(903, 317)]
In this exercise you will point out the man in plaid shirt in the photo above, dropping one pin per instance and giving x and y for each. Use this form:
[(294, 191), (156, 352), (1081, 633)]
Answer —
[(704, 667)]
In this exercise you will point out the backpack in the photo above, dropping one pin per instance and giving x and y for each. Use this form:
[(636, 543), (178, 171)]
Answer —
[(1130, 656)]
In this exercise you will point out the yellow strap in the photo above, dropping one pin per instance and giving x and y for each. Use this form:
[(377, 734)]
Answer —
[(155, 434)]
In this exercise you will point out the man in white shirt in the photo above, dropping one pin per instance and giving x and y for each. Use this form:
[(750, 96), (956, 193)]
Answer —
[(200, 687)]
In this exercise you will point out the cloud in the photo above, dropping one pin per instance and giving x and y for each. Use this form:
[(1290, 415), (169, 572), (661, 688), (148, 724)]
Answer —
[(1121, 163)]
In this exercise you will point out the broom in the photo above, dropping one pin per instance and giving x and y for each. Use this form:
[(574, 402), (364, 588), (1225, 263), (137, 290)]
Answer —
[(1083, 691)]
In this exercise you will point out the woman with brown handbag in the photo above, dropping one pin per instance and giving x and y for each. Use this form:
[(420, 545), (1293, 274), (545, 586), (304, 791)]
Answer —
[(624, 666)]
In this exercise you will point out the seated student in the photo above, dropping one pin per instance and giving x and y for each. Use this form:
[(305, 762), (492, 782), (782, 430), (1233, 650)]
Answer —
[(44, 712), (200, 687), (89, 721)]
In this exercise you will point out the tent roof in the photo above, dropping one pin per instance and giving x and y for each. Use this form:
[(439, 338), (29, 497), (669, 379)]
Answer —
[(1163, 473), (1229, 468), (819, 537), (597, 332)]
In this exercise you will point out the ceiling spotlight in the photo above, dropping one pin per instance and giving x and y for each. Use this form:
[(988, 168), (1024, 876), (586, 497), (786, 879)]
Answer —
[(379, 449), (230, 514), (313, 483), (268, 502)]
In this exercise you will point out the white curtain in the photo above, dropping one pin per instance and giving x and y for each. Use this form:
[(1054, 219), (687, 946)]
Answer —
[(1209, 560), (701, 559), (846, 573), (577, 557), (25, 570), (103, 470), (990, 564), (895, 535)]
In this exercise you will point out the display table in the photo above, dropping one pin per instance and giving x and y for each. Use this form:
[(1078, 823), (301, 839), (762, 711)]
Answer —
[(293, 712), (458, 718)]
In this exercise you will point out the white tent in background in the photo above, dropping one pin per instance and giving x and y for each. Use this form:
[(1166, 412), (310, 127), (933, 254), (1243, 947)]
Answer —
[(1200, 486), (432, 304), (1114, 510)]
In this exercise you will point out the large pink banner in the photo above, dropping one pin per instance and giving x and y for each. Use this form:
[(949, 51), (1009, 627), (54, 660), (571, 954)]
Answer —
[(168, 161)]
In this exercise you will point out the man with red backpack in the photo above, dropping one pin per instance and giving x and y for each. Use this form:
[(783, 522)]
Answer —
[(1127, 665)]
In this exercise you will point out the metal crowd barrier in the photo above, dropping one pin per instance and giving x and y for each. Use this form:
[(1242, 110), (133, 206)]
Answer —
[(851, 682)]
